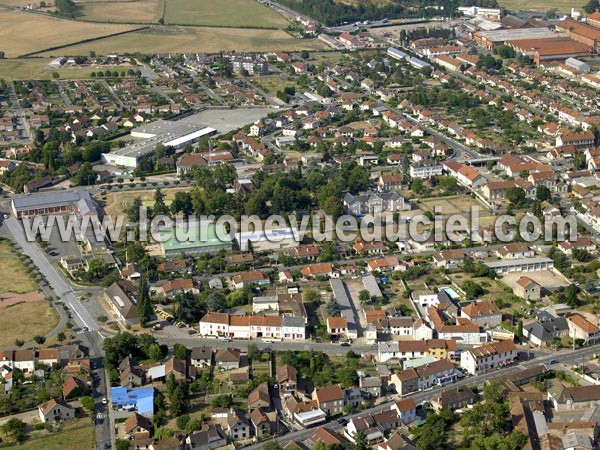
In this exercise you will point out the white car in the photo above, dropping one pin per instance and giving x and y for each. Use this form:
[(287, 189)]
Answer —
[(104, 401)]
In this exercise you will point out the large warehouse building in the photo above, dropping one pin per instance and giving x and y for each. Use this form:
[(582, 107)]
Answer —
[(494, 38), (170, 133), (581, 32), (551, 49)]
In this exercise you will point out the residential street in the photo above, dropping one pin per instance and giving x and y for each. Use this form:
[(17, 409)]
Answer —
[(571, 357)]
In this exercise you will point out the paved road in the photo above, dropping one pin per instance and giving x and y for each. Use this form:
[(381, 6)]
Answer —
[(56, 280), (572, 357)]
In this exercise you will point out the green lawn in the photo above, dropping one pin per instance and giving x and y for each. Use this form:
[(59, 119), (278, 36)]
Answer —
[(228, 13), (541, 5)]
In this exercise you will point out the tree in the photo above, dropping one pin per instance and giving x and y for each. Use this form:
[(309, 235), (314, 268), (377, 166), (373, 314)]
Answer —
[(252, 351), (364, 296), (16, 428), (2, 55), (515, 195), (592, 6), (472, 289), (542, 193), (87, 402), (160, 208), (505, 51), (180, 351), (39, 339), (133, 212), (144, 308), (222, 401), (312, 296), (122, 444), (360, 441), (86, 176), (61, 336)]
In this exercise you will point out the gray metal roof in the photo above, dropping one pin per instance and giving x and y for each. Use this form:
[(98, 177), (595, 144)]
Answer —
[(49, 199)]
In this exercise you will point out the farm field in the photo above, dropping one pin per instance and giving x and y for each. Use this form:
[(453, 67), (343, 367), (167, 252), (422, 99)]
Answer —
[(26, 320), (225, 13), (563, 6), (143, 11), (35, 69), (22, 32), (188, 39)]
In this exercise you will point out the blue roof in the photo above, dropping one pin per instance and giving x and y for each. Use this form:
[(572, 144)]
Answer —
[(143, 398)]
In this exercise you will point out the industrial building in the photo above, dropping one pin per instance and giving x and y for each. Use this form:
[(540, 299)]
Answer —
[(521, 265), (267, 240), (550, 49), (170, 133), (53, 202), (579, 66), (581, 32), (494, 38), (397, 54), (195, 240)]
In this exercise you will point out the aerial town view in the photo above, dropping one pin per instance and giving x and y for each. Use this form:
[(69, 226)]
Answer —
[(300, 224)]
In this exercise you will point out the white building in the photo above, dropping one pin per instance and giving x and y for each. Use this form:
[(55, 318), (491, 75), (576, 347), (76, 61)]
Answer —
[(425, 170), (488, 356)]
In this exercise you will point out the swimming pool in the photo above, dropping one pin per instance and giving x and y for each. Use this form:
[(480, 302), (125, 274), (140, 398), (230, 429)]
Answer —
[(451, 292)]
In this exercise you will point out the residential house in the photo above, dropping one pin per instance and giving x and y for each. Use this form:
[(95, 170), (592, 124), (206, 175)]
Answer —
[(138, 426), (238, 426), (453, 398), (287, 379), (515, 250), (228, 358), (373, 203), (337, 326), (449, 259), (371, 386), (528, 289), (208, 438), (545, 329), (484, 314), (582, 328), (406, 409), (259, 398), (201, 357), (330, 399), (55, 410), (121, 298)]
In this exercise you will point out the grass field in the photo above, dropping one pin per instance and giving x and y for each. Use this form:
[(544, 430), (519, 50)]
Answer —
[(118, 202), (188, 39), (14, 276), (230, 13), (22, 32), (74, 436), (143, 11), (541, 5), (26, 320), (35, 69)]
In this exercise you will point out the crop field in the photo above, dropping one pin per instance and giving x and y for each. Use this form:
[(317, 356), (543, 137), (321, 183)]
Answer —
[(22, 32), (26, 320), (224, 13), (142, 11), (541, 5), (193, 39)]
